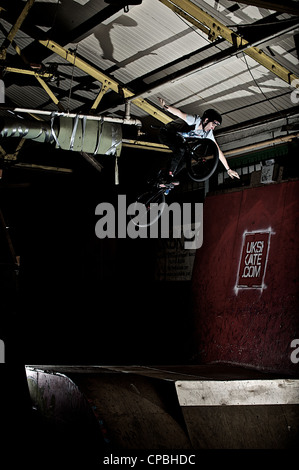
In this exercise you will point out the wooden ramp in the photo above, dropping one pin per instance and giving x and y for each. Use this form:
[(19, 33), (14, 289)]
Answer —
[(172, 407)]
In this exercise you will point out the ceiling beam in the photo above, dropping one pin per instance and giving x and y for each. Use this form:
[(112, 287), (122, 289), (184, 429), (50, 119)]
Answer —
[(263, 144), (287, 6), (109, 82), (282, 114), (138, 83), (15, 28), (196, 16), (58, 32), (140, 144), (211, 60), (86, 27), (28, 72), (49, 92), (40, 78)]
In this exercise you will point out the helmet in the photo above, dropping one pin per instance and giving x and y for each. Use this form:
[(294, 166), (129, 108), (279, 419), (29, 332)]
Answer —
[(212, 115)]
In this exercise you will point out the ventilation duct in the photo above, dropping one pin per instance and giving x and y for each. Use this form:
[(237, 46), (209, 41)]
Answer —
[(97, 137)]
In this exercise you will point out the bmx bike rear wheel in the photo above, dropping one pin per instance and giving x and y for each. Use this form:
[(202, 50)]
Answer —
[(202, 159)]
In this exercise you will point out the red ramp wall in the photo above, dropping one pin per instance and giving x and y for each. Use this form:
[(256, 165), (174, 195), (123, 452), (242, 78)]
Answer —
[(245, 278)]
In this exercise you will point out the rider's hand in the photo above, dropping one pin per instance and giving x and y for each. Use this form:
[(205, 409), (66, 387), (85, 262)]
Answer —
[(232, 174), (162, 102)]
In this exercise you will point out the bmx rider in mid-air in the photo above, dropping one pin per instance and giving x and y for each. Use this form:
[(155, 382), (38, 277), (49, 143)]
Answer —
[(202, 127)]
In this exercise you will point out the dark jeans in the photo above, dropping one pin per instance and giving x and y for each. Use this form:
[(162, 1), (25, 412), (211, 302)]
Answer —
[(168, 136)]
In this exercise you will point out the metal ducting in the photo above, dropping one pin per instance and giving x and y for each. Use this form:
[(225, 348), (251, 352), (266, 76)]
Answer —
[(80, 134)]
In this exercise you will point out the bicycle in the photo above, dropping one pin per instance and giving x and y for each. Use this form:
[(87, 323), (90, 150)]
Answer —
[(150, 204), (200, 157)]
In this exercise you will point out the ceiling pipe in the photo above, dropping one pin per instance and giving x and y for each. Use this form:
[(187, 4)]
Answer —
[(264, 144), (228, 153), (88, 136), (89, 117)]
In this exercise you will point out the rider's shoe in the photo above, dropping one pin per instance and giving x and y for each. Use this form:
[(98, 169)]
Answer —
[(169, 180), (172, 180), (164, 184)]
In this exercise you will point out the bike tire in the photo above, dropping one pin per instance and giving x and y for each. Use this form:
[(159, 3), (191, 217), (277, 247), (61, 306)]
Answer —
[(154, 205), (202, 160)]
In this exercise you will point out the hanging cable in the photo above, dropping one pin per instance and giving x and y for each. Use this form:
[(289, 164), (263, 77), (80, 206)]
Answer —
[(72, 78), (258, 86), (54, 17)]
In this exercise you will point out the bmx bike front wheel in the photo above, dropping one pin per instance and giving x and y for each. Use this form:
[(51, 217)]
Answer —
[(148, 208)]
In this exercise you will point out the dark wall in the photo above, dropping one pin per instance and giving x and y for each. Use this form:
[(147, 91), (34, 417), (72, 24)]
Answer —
[(80, 299), (246, 308)]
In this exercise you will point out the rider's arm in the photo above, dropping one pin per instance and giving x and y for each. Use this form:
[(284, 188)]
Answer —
[(175, 111), (231, 173)]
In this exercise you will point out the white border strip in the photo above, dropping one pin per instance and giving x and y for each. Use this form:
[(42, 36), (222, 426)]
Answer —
[(262, 286), (238, 392)]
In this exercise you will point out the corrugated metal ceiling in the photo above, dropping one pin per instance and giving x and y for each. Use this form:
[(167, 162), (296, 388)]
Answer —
[(146, 44)]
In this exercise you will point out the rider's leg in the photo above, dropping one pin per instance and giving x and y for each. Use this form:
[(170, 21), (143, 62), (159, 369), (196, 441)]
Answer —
[(177, 161), (169, 137), (181, 165)]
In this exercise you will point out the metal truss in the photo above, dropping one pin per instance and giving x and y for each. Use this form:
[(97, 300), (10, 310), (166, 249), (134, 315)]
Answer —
[(107, 82), (199, 17), (213, 28)]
